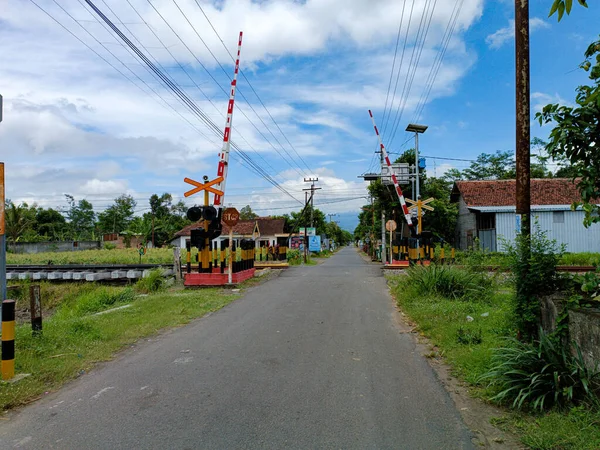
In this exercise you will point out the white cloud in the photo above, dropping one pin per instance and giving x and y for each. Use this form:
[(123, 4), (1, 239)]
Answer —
[(506, 34), (72, 124)]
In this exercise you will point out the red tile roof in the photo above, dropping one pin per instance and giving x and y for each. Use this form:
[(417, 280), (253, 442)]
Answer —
[(544, 191), (266, 226)]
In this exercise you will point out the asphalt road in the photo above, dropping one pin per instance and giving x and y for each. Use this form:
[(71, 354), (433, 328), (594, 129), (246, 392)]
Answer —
[(311, 359)]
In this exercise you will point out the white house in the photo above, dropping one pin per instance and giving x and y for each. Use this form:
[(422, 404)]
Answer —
[(486, 210)]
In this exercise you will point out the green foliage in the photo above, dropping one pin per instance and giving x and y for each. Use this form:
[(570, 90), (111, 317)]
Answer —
[(541, 374), (449, 281), (109, 246), (469, 337), (246, 213), (154, 282), (18, 220), (576, 135), (532, 261), (562, 6), (81, 218), (117, 217), (95, 300), (294, 257)]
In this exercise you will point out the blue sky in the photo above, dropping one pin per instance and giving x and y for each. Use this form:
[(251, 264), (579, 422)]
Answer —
[(74, 125)]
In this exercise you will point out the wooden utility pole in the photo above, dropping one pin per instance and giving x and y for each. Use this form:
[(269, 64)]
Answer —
[(523, 195)]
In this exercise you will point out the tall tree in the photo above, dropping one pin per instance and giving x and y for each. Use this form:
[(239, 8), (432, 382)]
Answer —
[(50, 224), (246, 213), (81, 218), (18, 220), (576, 135), (117, 217)]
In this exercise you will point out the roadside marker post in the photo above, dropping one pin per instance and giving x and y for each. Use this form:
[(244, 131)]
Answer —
[(8, 339)]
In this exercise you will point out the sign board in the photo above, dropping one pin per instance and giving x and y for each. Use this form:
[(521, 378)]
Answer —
[(231, 216), (314, 243), (390, 225), (401, 170), (296, 241), (310, 231)]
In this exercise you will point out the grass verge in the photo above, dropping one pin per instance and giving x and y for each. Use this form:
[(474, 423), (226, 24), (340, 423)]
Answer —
[(465, 331), (74, 338)]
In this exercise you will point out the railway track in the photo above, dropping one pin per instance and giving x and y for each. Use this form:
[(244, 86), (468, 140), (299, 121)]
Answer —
[(84, 272)]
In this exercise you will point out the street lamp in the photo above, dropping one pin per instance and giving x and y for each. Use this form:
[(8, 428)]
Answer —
[(414, 128)]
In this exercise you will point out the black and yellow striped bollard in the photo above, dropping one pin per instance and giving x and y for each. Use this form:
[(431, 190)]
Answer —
[(8, 339)]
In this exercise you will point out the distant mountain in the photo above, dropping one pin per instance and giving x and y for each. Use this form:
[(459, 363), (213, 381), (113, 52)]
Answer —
[(347, 221)]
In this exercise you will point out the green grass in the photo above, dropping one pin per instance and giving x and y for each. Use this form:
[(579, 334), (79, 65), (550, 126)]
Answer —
[(74, 339), (444, 321), (441, 319), (573, 429)]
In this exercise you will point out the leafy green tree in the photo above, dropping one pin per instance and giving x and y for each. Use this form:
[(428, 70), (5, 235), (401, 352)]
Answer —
[(50, 224), (81, 218), (498, 166), (562, 6), (117, 217), (18, 220), (299, 219), (246, 213), (576, 135)]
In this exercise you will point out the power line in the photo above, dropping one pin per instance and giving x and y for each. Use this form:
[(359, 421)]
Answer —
[(252, 88), (190, 104), (241, 93)]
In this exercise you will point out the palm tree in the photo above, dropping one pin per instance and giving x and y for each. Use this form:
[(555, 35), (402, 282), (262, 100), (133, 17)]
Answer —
[(17, 220)]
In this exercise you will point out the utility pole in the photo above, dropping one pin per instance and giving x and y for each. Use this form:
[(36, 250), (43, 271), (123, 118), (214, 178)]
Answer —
[(312, 218), (522, 148), (523, 200), (2, 230), (330, 216)]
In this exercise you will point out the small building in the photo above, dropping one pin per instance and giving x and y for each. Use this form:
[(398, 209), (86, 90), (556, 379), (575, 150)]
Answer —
[(487, 212), (265, 231)]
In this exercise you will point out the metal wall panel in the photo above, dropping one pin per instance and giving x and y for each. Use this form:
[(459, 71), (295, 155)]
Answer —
[(572, 233)]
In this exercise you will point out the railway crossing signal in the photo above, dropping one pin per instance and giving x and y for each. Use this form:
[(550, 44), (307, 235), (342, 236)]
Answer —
[(206, 186), (420, 205)]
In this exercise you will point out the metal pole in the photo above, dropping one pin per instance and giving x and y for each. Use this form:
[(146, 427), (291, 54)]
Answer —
[(417, 165), (230, 255), (2, 237), (523, 193), (391, 249), (383, 238)]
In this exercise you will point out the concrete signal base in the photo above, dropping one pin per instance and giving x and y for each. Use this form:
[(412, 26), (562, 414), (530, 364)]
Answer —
[(216, 279)]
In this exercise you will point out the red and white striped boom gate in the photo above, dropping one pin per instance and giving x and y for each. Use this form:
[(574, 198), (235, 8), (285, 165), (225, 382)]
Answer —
[(407, 215), (224, 155)]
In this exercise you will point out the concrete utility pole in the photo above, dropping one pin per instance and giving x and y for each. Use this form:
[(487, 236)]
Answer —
[(312, 190), (2, 235), (523, 200)]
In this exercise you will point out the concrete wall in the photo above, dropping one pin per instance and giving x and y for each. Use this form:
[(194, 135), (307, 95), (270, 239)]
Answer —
[(466, 222), (584, 327), (571, 232), (42, 247)]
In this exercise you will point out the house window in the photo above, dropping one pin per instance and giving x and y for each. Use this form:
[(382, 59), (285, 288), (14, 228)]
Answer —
[(558, 217), (486, 221)]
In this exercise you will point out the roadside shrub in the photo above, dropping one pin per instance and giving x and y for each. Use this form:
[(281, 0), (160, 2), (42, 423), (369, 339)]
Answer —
[(294, 257), (109, 246), (154, 282), (541, 374), (469, 337), (449, 281), (532, 261)]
